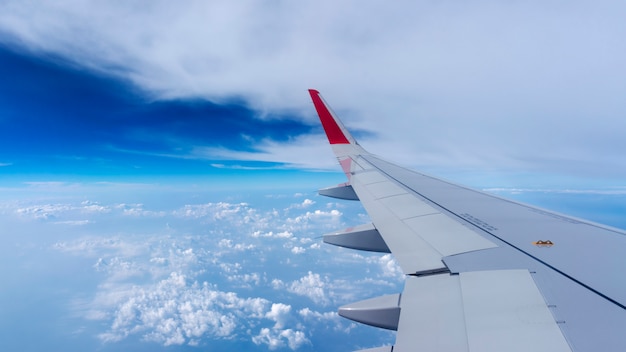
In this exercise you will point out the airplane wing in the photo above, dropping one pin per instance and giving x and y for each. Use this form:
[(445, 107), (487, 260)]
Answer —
[(483, 273)]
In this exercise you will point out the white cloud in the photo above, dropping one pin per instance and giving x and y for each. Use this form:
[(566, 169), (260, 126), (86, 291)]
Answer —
[(273, 342), (388, 266), (94, 207), (188, 283), (310, 314), (306, 240), (295, 338), (291, 152), (243, 247), (73, 222), (93, 246), (304, 204), (137, 210), (236, 167), (230, 268), (44, 211), (215, 211), (610, 191), (118, 267), (245, 280), (331, 219), (311, 286), (297, 250), (84, 208), (331, 319), (228, 243), (277, 284), (271, 234), (276, 339), (176, 311), (486, 75), (279, 313)]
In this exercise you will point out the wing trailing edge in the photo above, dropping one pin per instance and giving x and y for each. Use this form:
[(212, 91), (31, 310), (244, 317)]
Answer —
[(341, 191)]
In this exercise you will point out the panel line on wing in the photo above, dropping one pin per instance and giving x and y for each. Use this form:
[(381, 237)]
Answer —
[(498, 310), (506, 305), (398, 216), (410, 250), (447, 235), (371, 176), (406, 206), (384, 189), (509, 243)]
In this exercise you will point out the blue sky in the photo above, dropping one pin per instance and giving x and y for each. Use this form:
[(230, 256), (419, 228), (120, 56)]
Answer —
[(61, 119), (155, 157)]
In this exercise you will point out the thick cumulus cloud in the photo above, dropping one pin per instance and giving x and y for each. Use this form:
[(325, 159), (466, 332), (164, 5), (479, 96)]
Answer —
[(175, 312), (532, 85), (274, 339), (312, 286), (279, 313)]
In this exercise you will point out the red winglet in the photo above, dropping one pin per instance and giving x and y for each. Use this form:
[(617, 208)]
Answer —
[(333, 131)]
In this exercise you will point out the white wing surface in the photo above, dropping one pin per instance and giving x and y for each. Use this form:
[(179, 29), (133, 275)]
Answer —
[(482, 273)]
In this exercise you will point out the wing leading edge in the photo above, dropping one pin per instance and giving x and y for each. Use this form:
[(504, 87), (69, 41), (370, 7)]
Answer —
[(479, 274)]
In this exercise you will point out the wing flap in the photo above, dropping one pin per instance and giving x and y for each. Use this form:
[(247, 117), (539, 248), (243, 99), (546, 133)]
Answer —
[(431, 315), (504, 311), (499, 310)]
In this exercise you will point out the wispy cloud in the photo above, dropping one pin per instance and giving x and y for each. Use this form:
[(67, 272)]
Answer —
[(305, 151), (242, 167), (510, 99), (302, 152), (613, 191), (73, 222)]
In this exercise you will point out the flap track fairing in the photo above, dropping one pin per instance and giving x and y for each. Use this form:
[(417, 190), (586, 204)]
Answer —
[(363, 237), (341, 191)]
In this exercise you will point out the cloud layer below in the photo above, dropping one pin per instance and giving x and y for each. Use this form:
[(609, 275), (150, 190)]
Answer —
[(234, 274)]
